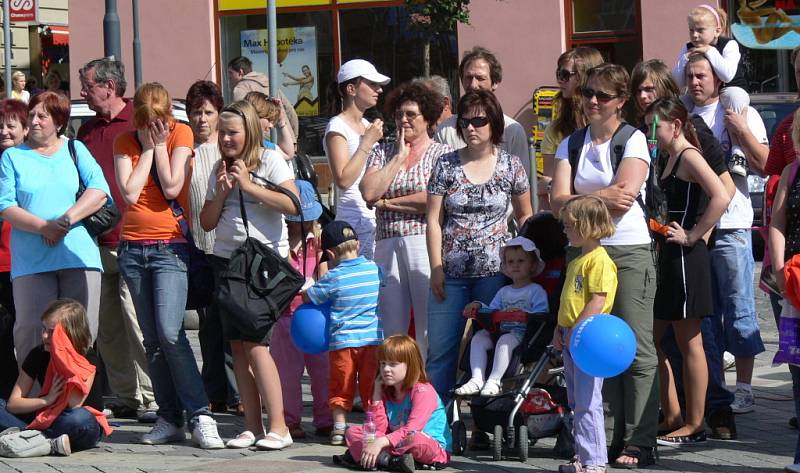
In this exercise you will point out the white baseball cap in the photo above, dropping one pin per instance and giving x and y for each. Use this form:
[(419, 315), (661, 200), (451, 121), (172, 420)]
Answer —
[(527, 245), (360, 68)]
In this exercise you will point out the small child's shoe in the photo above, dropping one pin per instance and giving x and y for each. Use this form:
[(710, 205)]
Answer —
[(473, 386), (491, 388), (337, 437)]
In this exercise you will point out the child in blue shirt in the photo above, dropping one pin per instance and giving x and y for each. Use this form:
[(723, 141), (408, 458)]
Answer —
[(351, 287)]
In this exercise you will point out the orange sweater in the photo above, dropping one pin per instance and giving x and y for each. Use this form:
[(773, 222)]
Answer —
[(76, 371)]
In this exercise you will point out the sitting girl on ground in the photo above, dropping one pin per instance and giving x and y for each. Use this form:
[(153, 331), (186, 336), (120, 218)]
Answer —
[(410, 420), (64, 365), (520, 262)]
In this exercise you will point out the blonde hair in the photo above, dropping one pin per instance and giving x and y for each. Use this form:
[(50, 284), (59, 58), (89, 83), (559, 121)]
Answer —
[(347, 246), (403, 349), (717, 16), (18, 75), (151, 102), (244, 111), (796, 131), (265, 107), (531, 254), (589, 216), (71, 315)]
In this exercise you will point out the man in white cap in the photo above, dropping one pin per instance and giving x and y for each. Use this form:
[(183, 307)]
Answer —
[(480, 70)]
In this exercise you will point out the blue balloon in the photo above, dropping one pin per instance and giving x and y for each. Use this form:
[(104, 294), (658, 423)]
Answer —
[(311, 328), (603, 346)]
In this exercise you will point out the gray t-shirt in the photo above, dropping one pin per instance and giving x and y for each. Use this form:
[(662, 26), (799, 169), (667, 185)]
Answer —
[(266, 225)]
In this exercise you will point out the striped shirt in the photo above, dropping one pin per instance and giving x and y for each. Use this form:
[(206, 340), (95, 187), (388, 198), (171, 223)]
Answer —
[(352, 290), (205, 159)]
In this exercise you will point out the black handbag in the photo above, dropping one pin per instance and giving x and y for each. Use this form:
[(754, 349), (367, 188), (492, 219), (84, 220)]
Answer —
[(258, 284), (105, 219), (199, 273)]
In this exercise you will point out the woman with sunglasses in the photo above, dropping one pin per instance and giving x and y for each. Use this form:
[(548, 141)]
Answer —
[(349, 138), (567, 112), (394, 184), (632, 396), (470, 194)]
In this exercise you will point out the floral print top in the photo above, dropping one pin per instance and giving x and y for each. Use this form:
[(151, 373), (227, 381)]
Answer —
[(406, 182), (475, 215)]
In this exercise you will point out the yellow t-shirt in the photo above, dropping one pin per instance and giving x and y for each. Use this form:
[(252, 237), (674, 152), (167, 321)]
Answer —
[(588, 274), (551, 140)]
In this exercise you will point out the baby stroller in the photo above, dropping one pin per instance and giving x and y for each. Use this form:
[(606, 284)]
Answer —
[(526, 411)]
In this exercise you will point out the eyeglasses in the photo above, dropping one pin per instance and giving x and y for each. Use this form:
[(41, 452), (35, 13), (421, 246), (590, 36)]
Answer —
[(476, 122), (563, 75), (410, 116), (602, 97)]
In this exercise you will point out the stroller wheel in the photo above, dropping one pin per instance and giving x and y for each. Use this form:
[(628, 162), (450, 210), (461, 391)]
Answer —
[(522, 440), (459, 437), (497, 450)]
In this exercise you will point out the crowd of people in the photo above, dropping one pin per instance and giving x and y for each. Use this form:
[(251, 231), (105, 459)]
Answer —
[(655, 207)]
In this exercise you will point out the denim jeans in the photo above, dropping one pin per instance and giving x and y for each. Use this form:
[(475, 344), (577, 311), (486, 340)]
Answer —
[(156, 277), (81, 426), (446, 326), (732, 267), (717, 396)]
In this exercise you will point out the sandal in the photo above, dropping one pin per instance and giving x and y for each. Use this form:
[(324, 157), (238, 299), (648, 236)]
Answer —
[(491, 388), (645, 456), (470, 388)]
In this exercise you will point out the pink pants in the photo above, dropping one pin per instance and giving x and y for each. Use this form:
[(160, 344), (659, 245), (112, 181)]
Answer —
[(420, 445), (291, 362)]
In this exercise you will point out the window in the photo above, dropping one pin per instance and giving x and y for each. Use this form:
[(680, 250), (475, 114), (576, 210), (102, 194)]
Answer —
[(614, 27)]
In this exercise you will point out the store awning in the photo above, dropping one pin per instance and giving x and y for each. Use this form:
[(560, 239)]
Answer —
[(59, 34)]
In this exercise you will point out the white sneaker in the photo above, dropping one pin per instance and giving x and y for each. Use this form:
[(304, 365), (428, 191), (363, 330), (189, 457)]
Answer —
[(473, 386), (60, 445), (163, 432), (743, 402), (738, 165), (244, 440), (205, 433), (728, 361)]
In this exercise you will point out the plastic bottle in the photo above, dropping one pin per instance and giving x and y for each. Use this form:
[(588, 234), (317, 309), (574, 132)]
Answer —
[(370, 432)]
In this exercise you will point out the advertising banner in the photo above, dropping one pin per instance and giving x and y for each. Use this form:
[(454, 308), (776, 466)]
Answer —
[(768, 24), (23, 10), (297, 64)]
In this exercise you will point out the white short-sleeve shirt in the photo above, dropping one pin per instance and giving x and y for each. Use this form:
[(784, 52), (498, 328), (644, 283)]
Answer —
[(595, 172), (349, 202), (739, 213), (266, 225)]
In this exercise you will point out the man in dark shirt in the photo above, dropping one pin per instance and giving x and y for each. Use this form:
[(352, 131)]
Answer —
[(119, 338)]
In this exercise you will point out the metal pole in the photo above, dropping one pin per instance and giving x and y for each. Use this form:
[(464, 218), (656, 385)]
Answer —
[(111, 41), (137, 47), (272, 68), (7, 44)]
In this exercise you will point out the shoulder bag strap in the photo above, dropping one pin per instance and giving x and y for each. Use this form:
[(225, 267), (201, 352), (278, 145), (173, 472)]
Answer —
[(574, 146), (74, 156)]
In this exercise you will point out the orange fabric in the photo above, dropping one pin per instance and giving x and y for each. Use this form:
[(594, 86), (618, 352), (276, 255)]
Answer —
[(150, 218), (791, 275), (76, 370), (347, 366)]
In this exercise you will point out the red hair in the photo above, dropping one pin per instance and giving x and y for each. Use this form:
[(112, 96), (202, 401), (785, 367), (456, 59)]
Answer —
[(403, 349), (13, 109), (55, 104)]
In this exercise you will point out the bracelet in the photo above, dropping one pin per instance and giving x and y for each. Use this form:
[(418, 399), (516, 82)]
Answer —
[(365, 151)]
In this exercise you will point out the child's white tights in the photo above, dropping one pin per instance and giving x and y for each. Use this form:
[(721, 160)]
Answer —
[(480, 345)]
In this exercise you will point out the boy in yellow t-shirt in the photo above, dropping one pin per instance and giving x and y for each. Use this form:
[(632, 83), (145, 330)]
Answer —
[(589, 289)]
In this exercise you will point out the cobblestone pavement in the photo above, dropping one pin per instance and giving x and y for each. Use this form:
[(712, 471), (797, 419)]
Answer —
[(765, 445)]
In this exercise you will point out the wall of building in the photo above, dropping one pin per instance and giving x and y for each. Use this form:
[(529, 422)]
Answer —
[(664, 28), (526, 40), (177, 40), (51, 12)]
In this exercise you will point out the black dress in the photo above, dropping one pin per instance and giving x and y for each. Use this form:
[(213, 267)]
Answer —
[(684, 273)]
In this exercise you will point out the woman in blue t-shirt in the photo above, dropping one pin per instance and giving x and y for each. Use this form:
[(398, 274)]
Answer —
[(52, 255)]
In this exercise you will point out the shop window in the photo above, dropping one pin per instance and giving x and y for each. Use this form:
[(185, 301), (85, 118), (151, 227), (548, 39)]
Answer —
[(614, 27)]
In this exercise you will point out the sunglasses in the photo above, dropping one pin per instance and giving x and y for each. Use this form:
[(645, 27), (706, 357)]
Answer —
[(563, 75), (476, 122), (603, 97)]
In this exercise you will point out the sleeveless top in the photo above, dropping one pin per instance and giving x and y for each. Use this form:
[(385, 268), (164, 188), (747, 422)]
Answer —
[(683, 198), (792, 230), (738, 78)]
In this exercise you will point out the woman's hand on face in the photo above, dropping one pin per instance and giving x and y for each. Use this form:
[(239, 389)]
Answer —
[(373, 133), (55, 390), (437, 283), (403, 150), (145, 138), (54, 231), (240, 174), (159, 130), (224, 181)]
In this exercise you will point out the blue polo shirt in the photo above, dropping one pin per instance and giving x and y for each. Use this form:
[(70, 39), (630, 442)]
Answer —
[(352, 289)]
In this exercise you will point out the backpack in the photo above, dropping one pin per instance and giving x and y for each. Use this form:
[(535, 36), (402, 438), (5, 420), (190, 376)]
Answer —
[(654, 203)]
